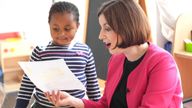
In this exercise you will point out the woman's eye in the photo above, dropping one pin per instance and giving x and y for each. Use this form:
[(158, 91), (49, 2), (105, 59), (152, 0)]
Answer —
[(108, 29)]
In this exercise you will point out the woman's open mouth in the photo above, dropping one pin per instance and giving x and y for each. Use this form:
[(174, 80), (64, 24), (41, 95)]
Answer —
[(107, 45)]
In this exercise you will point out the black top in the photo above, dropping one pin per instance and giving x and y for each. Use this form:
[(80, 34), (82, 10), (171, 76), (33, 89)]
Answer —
[(119, 97)]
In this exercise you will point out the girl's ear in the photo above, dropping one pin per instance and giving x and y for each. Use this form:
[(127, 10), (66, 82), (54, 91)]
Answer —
[(78, 25)]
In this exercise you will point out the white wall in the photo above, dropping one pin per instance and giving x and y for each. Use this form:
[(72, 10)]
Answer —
[(31, 18), (173, 6), (28, 16)]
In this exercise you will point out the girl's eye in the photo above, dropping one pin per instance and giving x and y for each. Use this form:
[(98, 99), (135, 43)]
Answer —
[(56, 29), (67, 29)]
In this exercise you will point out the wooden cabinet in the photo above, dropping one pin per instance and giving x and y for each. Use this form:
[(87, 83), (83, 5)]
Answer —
[(184, 59), (12, 73), (11, 54)]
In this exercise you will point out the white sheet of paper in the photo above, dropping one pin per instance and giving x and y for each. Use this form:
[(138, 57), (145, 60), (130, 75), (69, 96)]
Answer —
[(51, 75)]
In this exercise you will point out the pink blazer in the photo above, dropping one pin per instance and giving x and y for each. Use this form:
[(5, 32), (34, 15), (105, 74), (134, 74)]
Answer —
[(154, 83)]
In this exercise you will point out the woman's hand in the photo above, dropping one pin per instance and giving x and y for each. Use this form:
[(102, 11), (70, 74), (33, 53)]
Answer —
[(59, 98)]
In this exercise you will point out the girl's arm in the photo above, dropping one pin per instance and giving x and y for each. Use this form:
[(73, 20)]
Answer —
[(27, 87), (93, 90)]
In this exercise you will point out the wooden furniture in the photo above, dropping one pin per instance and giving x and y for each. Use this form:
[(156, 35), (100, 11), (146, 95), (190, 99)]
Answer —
[(183, 59), (12, 73), (11, 54)]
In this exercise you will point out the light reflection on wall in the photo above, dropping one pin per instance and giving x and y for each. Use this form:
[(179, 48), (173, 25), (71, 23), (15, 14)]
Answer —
[(174, 6)]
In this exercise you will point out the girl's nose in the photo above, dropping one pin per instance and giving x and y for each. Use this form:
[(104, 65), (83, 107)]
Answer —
[(62, 33)]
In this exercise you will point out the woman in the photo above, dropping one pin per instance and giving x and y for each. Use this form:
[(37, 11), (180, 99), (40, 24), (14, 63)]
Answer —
[(140, 74)]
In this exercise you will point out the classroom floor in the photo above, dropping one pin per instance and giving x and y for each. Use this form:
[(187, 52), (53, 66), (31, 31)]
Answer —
[(10, 100)]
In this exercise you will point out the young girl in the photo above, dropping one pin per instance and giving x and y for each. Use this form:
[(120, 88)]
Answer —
[(63, 21)]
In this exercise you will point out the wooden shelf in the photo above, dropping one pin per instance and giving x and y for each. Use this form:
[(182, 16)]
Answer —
[(182, 58), (11, 86), (12, 70), (183, 54)]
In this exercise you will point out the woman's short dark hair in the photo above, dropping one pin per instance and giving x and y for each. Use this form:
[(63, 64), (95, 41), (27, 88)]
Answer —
[(128, 20)]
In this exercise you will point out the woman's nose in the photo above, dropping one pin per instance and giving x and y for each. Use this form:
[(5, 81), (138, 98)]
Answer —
[(100, 35)]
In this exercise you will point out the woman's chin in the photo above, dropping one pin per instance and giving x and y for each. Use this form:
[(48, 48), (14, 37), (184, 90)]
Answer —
[(114, 51)]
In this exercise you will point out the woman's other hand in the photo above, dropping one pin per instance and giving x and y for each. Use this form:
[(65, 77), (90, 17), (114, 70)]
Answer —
[(59, 98)]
